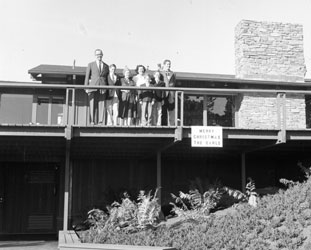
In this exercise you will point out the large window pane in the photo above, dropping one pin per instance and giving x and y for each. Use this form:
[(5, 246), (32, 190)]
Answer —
[(50, 110), (219, 110), (42, 110), (16, 108), (193, 110), (57, 110)]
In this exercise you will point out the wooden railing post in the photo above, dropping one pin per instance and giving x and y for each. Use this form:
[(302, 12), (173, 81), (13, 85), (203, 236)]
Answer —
[(281, 117), (179, 110), (205, 110), (67, 189), (159, 178), (74, 106), (243, 172)]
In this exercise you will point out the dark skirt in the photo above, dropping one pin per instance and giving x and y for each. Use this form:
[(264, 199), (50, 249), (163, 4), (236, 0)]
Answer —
[(127, 108)]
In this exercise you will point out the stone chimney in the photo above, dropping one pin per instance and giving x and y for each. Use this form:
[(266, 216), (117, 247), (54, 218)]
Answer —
[(269, 51)]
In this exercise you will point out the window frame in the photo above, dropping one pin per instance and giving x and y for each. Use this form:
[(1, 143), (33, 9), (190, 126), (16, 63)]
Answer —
[(50, 97)]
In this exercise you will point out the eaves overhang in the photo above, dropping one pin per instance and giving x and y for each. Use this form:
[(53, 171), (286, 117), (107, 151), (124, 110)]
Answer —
[(59, 71)]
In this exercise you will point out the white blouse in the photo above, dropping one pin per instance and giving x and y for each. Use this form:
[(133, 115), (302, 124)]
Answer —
[(141, 80)]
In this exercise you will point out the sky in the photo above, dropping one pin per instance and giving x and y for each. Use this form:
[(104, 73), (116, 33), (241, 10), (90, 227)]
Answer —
[(196, 35)]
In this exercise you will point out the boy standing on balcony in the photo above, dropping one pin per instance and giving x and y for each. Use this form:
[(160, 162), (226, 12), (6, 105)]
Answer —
[(168, 108), (96, 75), (146, 99), (158, 98)]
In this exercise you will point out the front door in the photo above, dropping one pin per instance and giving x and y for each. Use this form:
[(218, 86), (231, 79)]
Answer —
[(28, 198)]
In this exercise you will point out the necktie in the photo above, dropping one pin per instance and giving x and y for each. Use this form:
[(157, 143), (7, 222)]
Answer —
[(166, 83), (100, 68)]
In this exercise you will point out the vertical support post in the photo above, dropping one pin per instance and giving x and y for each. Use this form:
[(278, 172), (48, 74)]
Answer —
[(159, 179), (182, 109), (70, 194), (237, 99), (50, 110), (278, 111), (67, 187), (243, 172), (284, 115), (204, 110), (34, 109), (281, 117), (74, 106), (64, 114), (66, 110), (176, 108)]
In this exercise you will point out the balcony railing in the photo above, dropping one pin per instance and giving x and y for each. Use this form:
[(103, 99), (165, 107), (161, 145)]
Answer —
[(30, 103)]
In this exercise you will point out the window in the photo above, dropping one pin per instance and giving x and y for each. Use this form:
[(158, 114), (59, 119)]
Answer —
[(42, 110), (57, 110), (50, 110), (15, 108), (219, 110), (193, 110)]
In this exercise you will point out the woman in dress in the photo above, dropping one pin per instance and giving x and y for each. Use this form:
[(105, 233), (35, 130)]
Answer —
[(140, 80), (126, 101), (112, 98), (158, 99)]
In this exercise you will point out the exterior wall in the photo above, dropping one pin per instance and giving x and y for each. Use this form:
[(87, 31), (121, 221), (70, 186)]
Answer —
[(99, 182), (28, 190), (259, 111), (180, 174), (269, 51), (295, 112)]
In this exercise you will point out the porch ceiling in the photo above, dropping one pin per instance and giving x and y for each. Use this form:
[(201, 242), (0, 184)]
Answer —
[(183, 148), (111, 147), (107, 143)]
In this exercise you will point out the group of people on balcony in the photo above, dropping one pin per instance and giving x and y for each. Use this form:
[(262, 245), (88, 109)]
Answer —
[(130, 106)]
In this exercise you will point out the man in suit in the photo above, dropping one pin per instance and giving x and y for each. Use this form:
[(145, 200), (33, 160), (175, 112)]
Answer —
[(168, 109), (96, 75)]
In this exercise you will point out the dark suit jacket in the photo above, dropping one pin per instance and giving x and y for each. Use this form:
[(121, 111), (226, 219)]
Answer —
[(110, 92), (97, 78), (159, 95), (170, 95)]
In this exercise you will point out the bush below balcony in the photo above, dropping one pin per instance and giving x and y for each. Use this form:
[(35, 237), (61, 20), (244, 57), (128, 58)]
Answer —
[(280, 221)]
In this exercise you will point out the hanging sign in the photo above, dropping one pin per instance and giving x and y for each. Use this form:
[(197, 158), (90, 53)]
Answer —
[(206, 136)]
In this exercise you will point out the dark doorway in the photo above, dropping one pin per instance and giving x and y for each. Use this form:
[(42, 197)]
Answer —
[(28, 198)]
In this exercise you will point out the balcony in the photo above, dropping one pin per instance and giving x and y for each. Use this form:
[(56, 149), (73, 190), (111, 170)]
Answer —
[(39, 111)]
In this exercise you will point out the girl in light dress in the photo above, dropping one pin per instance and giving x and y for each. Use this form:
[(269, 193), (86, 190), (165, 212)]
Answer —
[(144, 107), (113, 95)]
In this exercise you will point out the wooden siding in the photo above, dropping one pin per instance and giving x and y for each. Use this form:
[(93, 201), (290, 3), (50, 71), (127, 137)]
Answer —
[(97, 183), (30, 203)]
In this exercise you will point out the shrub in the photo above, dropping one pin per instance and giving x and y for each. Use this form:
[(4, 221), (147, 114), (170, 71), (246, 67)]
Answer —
[(201, 199), (130, 216), (277, 222), (250, 196)]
